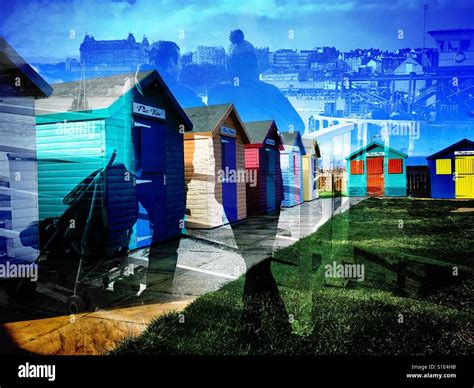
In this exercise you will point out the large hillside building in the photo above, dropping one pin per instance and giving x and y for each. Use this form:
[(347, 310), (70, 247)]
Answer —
[(109, 57)]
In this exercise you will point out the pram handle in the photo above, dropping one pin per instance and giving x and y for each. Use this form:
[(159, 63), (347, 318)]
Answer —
[(112, 158), (81, 188)]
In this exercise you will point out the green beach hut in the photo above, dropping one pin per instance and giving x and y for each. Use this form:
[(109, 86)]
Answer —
[(377, 170), (135, 115)]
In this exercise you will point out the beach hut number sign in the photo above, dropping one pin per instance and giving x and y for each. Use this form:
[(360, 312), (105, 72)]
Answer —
[(375, 153), (460, 153), (228, 131), (149, 111)]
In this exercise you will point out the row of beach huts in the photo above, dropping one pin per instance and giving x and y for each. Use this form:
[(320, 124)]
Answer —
[(206, 164), (378, 170), (198, 167), (193, 168)]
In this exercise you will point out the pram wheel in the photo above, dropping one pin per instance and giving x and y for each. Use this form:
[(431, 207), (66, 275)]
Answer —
[(20, 288), (105, 282), (75, 305)]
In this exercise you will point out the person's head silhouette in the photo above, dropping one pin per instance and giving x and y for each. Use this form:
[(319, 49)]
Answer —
[(165, 55), (242, 60)]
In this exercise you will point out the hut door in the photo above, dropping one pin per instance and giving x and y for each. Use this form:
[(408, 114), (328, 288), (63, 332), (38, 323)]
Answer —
[(271, 181), (229, 184), (296, 173), (151, 180), (464, 176), (152, 145), (314, 170), (375, 178)]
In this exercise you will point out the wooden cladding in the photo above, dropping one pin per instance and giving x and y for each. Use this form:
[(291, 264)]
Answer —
[(395, 166), (375, 165), (357, 167), (443, 167), (252, 158)]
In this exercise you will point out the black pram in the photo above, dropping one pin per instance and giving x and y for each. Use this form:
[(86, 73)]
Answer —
[(92, 237)]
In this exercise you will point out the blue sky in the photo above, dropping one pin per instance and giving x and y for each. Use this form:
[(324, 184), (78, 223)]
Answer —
[(41, 30)]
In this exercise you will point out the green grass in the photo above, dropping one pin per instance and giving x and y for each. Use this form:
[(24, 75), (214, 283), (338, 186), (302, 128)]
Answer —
[(331, 194), (366, 317)]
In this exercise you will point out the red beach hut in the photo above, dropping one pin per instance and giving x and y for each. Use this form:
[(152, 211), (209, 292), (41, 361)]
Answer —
[(262, 162)]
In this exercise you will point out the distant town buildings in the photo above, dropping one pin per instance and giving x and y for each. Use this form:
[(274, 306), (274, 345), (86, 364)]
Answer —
[(106, 57), (206, 55), (456, 47), (301, 60), (354, 64), (360, 80), (408, 66), (263, 58)]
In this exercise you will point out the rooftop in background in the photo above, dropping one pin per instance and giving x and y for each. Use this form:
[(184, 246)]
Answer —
[(462, 143), (14, 69), (456, 47)]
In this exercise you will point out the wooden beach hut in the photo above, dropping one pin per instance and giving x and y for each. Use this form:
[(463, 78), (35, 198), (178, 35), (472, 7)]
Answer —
[(215, 166), (452, 171), (291, 161), (377, 170), (310, 169), (262, 161), (84, 122), (20, 88)]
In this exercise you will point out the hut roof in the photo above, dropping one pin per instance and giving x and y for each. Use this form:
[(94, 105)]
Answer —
[(258, 130), (13, 65), (95, 94), (211, 117), (453, 147), (293, 139), (311, 144), (373, 145)]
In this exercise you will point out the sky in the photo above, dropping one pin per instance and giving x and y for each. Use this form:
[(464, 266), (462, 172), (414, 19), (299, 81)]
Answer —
[(51, 30)]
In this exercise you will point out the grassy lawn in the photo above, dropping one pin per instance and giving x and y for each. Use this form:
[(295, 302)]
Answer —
[(331, 194), (367, 317)]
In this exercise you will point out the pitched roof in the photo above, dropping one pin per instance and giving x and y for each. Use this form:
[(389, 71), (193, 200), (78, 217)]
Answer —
[(311, 144), (211, 117), (289, 138), (12, 64), (373, 145), (457, 30), (101, 93), (207, 118), (453, 147), (292, 139), (258, 130)]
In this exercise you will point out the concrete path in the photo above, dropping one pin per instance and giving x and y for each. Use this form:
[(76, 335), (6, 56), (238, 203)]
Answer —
[(85, 334)]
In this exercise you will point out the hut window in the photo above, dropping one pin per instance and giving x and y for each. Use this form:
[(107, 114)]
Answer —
[(395, 166), (251, 158), (357, 167), (443, 167)]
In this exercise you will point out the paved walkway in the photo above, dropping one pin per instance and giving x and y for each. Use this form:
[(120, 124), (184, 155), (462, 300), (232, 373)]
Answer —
[(85, 334), (171, 276)]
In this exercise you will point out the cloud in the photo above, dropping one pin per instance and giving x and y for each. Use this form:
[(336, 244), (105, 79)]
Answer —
[(43, 28)]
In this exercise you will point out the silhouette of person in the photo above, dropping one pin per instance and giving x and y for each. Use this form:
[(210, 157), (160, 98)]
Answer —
[(255, 100), (165, 57)]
